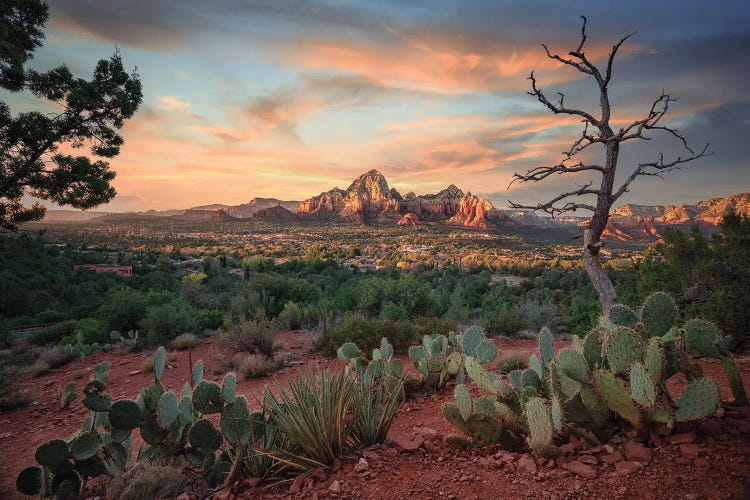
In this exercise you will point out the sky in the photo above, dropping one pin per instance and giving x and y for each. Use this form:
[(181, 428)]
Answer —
[(285, 99)]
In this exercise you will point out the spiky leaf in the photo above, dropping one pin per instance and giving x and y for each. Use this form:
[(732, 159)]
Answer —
[(642, 386), (539, 421), (546, 349), (229, 388), (735, 381), (622, 315), (84, 446), (204, 436), (658, 314), (574, 365), (168, 409), (52, 453), (417, 352), (703, 336), (463, 401), (207, 398), (29, 481), (623, 347), (198, 372), (160, 359), (348, 351)]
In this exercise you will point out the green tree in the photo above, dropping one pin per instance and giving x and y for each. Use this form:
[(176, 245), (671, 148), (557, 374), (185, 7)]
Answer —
[(91, 113)]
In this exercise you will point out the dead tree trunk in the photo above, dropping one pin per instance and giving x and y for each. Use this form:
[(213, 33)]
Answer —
[(597, 131)]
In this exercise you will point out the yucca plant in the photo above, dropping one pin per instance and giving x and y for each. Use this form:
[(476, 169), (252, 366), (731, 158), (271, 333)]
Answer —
[(313, 417), (377, 400)]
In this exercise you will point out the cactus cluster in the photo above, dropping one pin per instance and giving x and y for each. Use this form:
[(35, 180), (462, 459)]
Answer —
[(620, 368), (382, 363), (170, 426)]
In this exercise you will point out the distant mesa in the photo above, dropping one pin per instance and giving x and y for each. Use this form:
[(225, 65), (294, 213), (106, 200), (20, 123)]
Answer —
[(277, 213), (222, 216), (477, 213)]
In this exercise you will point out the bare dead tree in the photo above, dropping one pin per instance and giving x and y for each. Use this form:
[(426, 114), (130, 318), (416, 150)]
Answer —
[(597, 130)]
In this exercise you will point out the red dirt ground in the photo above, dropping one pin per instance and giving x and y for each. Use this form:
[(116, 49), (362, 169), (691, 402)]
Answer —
[(713, 462)]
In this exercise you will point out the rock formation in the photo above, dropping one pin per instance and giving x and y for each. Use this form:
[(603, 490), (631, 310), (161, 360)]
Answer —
[(410, 220), (474, 212), (277, 213)]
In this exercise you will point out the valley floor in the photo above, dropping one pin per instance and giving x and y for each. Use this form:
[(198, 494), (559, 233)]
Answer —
[(713, 462)]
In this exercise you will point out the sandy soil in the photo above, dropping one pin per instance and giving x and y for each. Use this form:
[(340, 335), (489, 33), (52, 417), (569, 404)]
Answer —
[(712, 462)]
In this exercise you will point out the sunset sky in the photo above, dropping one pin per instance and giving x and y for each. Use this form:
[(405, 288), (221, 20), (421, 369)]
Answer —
[(282, 98)]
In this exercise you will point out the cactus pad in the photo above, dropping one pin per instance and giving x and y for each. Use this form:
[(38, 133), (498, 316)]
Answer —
[(616, 396), (654, 359), (536, 364), (198, 372), (151, 396), (642, 386), (623, 347), (52, 453), (416, 352), (622, 315), (735, 381), (204, 437), (348, 351), (29, 481), (703, 336), (168, 409), (529, 378), (229, 388), (463, 401), (160, 359), (516, 379), (574, 365), (207, 398), (556, 412), (539, 421), (84, 446), (658, 314), (592, 350), (700, 400), (97, 402), (235, 422), (546, 349)]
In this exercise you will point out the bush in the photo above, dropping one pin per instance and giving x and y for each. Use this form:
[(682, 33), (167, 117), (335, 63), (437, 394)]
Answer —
[(53, 334), (147, 481), (253, 336), (503, 323), (54, 358), (166, 321), (10, 395), (513, 360), (186, 341), (208, 319), (366, 333), (538, 313), (291, 317), (92, 330), (253, 365)]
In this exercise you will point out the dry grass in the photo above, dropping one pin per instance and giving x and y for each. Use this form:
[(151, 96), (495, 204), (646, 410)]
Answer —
[(186, 341), (147, 366), (510, 361), (254, 366), (148, 481)]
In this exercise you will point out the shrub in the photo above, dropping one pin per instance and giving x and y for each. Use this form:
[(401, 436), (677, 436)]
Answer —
[(147, 481), (208, 319), (54, 358), (38, 369), (166, 321), (186, 341), (253, 366), (538, 313), (53, 334), (92, 330), (510, 361), (10, 395), (147, 366), (503, 323), (253, 336), (367, 333), (291, 317)]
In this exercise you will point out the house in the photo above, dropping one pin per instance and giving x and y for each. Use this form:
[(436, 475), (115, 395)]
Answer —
[(105, 268)]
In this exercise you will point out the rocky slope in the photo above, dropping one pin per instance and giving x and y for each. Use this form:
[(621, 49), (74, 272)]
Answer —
[(249, 209), (275, 213)]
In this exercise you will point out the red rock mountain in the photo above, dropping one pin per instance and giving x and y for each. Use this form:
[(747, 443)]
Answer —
[(410, 220), (369, 199)]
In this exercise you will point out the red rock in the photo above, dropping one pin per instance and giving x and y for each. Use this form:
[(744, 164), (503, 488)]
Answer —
[(563, 461), (319, 475), (296, 486), (612, 458), (361, 466), (588, 459), (526, 464), (636, 452), (568, 448), (581, 469), (335, 486), (625, 468), (742, 425), (406, 443), (685, 437), (429, 434), (689, 450)]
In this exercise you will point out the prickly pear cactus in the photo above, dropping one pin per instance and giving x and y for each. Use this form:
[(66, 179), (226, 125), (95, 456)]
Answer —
[(622, 315), (622, 348), (616, 395), (541, 428), (658, 314), (699, 401)]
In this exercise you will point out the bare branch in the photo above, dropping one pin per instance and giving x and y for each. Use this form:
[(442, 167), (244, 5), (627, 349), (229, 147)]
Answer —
[(659, 167), (612, 55), (560, 108), (553, 210)]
